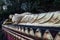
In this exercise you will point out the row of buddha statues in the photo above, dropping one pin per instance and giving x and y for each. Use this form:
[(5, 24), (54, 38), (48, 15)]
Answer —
[(37, 33)]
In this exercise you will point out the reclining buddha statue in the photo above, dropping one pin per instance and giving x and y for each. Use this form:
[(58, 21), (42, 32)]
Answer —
[(50, 18)]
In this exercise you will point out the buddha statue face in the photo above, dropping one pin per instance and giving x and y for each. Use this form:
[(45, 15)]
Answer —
[(10, 16)]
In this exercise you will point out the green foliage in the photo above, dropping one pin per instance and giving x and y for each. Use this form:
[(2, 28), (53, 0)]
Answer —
[(1, 2), (57, 2)]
